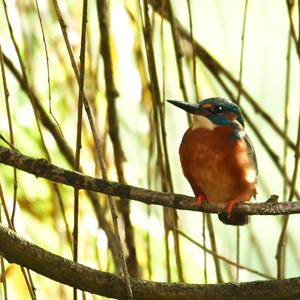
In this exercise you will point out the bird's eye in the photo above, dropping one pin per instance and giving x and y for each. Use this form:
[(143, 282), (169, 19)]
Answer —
[(218, 109)]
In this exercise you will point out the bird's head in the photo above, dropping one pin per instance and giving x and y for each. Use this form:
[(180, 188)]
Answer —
[(212, 112)]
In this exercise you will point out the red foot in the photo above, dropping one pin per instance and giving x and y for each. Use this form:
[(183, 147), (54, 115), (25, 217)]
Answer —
[(201, 199), (229, 206)]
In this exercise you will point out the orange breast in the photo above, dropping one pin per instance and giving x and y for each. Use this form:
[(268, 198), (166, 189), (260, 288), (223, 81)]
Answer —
[(216, 165)]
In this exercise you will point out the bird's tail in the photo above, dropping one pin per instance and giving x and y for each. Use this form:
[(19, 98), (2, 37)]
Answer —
[(234, 219)]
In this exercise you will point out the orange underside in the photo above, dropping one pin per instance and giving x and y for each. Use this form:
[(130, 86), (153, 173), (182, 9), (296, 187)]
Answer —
[(211, 162)]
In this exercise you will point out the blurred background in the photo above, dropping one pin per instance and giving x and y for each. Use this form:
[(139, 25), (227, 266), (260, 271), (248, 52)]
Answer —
[(135, 59)]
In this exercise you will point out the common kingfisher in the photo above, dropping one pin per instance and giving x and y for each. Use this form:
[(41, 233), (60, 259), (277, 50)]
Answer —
[(217, 156)]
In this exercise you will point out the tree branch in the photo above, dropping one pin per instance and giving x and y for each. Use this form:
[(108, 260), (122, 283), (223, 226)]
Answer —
[(17, 250), (42, 168)]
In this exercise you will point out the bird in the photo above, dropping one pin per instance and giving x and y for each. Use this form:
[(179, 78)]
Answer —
[(217, 156)]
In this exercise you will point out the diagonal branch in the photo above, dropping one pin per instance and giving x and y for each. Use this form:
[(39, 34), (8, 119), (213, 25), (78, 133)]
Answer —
[(17, 250), (42, 168)]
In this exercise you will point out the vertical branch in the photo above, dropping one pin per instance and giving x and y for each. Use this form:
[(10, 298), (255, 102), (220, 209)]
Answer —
[(238, 240), (290, 7), (296, 163), (112, 94), (197, 97), (10, 126), (79, 132), (148, 243), (6, 94), (298, 44), (194, 50), (204, 245), (238, 99), (280, 254), (3, 276), (282, 240), (178, 55), (160, 116), (239, 86), (2, 265), (26, 276), (166, 212), (47, 64), (154, 123), (213, 243)]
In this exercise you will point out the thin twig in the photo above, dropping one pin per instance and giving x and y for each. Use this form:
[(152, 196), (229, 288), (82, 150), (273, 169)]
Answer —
[(290, 7), (238, 98), (223, 258), (194, 51), (280, 253), (213, 243), (2, 265), (166, 212), (283, 237), (178, 55), (47, 64), (10, 126), (11, 225), (79, 131)]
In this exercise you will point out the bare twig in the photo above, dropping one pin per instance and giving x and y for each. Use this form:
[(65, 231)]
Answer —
[(79, 131), (178, 54), (238, 98), (290, 7), (2, 265), (194, 52), (10, 126), (280, 253), (47, 63), (25, 272), (223, 258)]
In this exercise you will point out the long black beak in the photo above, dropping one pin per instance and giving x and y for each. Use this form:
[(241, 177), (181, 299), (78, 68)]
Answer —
[(189, 107)]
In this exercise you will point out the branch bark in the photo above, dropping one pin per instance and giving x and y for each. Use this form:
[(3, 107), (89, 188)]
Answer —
[(17, 250), (42, 168)]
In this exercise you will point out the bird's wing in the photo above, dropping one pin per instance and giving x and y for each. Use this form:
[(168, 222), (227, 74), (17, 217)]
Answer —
[(251, 151), (239, 133)]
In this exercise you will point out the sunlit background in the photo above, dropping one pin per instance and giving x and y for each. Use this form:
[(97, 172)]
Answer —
[(218, 28)]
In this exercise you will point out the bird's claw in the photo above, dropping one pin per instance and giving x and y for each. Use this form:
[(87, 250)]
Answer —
[(201, 199), (229, 207)]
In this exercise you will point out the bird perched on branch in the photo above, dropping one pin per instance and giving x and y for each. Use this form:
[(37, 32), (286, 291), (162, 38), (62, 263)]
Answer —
[(217, 156)]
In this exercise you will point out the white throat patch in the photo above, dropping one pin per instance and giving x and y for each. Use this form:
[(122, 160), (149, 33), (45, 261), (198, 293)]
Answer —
[(202, 122)]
